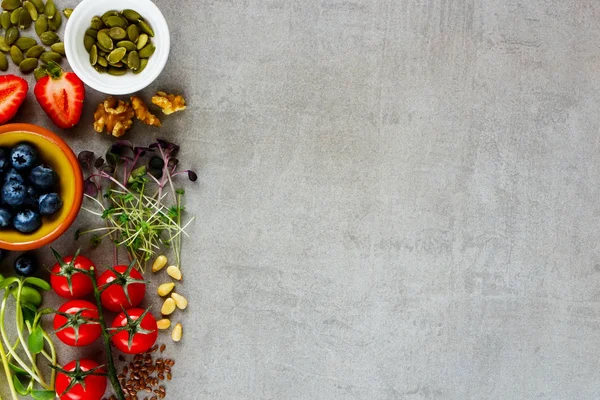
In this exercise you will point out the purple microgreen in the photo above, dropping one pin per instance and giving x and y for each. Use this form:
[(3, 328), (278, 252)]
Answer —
[(99, 163), (86, 157), (90, 188)]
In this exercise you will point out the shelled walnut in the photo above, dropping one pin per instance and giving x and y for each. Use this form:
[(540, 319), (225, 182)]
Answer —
[(142, 113), (115, 116), (169, 103)]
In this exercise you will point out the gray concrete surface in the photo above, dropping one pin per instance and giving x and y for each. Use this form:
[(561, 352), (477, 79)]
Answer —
[(397, 199)]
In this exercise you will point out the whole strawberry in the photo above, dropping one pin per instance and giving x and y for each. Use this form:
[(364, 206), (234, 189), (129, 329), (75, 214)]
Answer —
[(61, 96)]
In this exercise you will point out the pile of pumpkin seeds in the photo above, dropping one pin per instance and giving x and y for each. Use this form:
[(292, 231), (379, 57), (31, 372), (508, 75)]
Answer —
[(18, 16), (118, 42)]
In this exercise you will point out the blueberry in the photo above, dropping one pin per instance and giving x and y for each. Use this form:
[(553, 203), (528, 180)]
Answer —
[(14, 193), (23, 156), (3, 163), (13, 175), (32, 197), (26, 264), (42, 177), (27, 221), (5, 218), (50, 203)]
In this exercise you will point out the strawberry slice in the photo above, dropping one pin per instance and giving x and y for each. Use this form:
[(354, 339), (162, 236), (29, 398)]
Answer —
[(61, 96), (13, 92)]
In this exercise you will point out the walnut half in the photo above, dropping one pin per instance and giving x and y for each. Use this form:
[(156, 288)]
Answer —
[(114, 116), (142, 113), (169, 103)]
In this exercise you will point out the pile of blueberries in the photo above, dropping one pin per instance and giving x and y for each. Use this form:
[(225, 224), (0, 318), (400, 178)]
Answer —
[(29, 189)]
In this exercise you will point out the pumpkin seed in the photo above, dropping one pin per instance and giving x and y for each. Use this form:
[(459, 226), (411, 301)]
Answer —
[(118, 65), (5, 20), (116, 21), (117, 33), (147, 51), (132, 15), (102, 61), (68, 12), (31, 10), (39, 5), (11, 36), (100, 68), (14, 16), (49, 38), (59, 48), (16, 55), (142, 41), (88, 42), (143, 25), (92, 32), (41, 25), (133, 60), (108, 14), (133, 33), (94, 55), (35, 51), (97, 23), (143, 64), (116, 55), (102, 48), (117, 71), (25, 43), (24, 19), (130, 46), (48, 56), (3, 62), (50, 9), (105, 41), (55, 22), (101, 53), (40, 72), (28, 65), (10, 5), (3, 45)]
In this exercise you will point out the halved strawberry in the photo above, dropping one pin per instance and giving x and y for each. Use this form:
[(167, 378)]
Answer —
[(13, 92), (61, 96)]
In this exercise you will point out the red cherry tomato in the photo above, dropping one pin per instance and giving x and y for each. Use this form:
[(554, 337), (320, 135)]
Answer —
[(81, 284), (113, 296), (95, 385), (143, 333), (75, 330)]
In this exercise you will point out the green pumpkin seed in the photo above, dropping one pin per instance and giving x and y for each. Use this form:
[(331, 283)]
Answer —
[(40, 72), (102, 49), (147, 51), (14, 16), (67, 12), (133, 60), (97, 23), (10, 5), (108, 14), (51, 56), (132, 15), (50, 9), (24, 19), (130, 46), (94, 55), (105, 41), (31, 10), (16, 55), (59, 48), (117, 33), (35, 51), (55, 22), (116, 21), (116, 55), (41, 25), (39, 5), (120, 64), (102, 61), (117, 71), (101, 53), (49, 38), (133, 33), (25, 43), (88, 42), (142, 41), (143, 65), (3, 62), (144, 27), (3, 45), (92, 32), (5, 20), (100, 68), (11, 36), (28, 65)]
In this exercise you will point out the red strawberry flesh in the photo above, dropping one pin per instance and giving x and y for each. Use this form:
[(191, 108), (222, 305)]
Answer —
[(13, 92)]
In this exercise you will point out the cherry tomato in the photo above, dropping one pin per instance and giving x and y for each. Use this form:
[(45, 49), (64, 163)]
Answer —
[(71, 326), (82, 372), (126, 277), (65, 270), (140, 326)]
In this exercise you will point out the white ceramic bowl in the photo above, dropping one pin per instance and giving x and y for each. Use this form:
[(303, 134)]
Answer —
[(79, 58)]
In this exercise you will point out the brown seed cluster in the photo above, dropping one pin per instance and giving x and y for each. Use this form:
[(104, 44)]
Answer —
[(142, 378)]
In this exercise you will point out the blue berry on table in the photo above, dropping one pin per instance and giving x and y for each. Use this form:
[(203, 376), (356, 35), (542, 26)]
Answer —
[(26, 264)]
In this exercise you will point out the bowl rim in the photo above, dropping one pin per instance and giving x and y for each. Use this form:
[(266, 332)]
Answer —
[(77, 202), (127, 87)]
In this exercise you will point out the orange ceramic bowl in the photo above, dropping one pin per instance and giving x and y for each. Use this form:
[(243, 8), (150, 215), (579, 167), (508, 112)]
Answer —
[(56, 153)]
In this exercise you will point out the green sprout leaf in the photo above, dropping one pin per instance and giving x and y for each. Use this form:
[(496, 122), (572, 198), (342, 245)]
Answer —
[(42, 284), (17, 370), (43, 394), (7, 282), (19, 386), (35, 342)]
